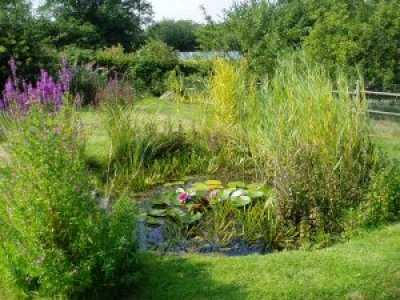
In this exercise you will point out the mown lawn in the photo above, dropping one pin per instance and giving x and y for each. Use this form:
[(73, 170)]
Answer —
[(364, 268)]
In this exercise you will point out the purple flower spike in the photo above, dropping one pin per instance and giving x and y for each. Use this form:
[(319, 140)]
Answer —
[(47, 91)]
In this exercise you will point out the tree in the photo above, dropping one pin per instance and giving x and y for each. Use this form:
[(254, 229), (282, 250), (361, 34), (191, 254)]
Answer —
[(116, 21), (20, 38), (180, 35)]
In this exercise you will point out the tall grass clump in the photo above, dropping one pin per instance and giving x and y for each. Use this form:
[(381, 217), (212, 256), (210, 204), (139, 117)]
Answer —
[(235, 111), (144, 153), (319, 149), (55, 240), (233, 92)]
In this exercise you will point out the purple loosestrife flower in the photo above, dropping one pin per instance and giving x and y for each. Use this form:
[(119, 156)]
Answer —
[(47, 91)]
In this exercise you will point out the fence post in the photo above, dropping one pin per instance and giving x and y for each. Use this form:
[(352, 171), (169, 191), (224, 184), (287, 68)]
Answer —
[(358, 91)]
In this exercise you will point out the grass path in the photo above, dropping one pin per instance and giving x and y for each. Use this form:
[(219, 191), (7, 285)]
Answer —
[(365, 268)]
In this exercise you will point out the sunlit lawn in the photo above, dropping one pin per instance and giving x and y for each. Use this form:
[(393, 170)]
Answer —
[(364, 268)]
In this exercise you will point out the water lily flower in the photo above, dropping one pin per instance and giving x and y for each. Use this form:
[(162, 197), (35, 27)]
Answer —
[(183, 197), (239, 193)]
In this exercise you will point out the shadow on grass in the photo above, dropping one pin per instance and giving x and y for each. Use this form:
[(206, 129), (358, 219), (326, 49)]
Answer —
[(173, 277)]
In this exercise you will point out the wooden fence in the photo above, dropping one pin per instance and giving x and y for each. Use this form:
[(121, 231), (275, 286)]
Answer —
[(379, 98)]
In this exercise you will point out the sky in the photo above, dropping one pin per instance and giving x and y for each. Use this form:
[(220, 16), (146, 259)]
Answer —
[(188, 9), (184, 9)]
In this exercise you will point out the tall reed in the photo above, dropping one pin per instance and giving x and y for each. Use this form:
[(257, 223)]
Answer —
[(318, 145)]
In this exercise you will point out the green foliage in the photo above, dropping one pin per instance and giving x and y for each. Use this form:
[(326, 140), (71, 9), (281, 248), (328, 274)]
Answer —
[(352, 35), (318, 144), (153, 62), (56, 241), (69, 32), (142, 153), (20, 38), (383, 198), (115, 59), (180, 35), (87, 83), (115, 22), (78, 56)]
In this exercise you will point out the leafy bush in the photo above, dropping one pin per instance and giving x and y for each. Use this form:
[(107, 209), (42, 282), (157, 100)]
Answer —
[(115, 59), (383, 198), (318, 144), (78, 56), (55, 239), (153, 61)]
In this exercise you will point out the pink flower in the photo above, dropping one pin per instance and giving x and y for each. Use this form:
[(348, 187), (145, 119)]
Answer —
[(183, 197)]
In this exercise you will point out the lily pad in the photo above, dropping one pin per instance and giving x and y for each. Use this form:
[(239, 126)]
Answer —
[(158, 213), (214, 183), (174, 183), (176, 213), (236, 184), (240, 201), (226, 193), (255, 186), (154, 221), (256, 194), (200, 187)]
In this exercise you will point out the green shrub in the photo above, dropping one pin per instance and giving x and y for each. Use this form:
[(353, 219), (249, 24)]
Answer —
[(383, 198), (153, 61), (78, 56), (319, 148), (115, 59), (56, 241)]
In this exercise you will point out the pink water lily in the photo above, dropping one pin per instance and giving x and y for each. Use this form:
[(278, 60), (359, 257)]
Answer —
[(183, 197)]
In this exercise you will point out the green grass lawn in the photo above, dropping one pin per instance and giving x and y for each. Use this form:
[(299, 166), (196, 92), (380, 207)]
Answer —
[(387, 136), (364, 268)]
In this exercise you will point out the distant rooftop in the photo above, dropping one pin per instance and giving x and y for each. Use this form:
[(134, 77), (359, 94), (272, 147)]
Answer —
[(209, 55)]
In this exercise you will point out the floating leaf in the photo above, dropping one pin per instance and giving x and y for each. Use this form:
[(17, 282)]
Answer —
[(200, 187), (160, 201), (255, 186), (174, 183), (226, 193), (236, 184), (142, 217), (256, 194), (214, 183), (158, 212), (154, 221), (241, 201), (176, 213)]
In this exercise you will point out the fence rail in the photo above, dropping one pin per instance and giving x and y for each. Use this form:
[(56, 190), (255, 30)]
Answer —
[(373, 97), (382, 97)]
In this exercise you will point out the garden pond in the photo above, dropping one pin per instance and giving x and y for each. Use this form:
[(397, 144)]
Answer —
[(207, 217)]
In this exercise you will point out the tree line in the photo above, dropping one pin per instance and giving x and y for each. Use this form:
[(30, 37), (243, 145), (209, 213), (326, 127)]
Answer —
[(355, 36)]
